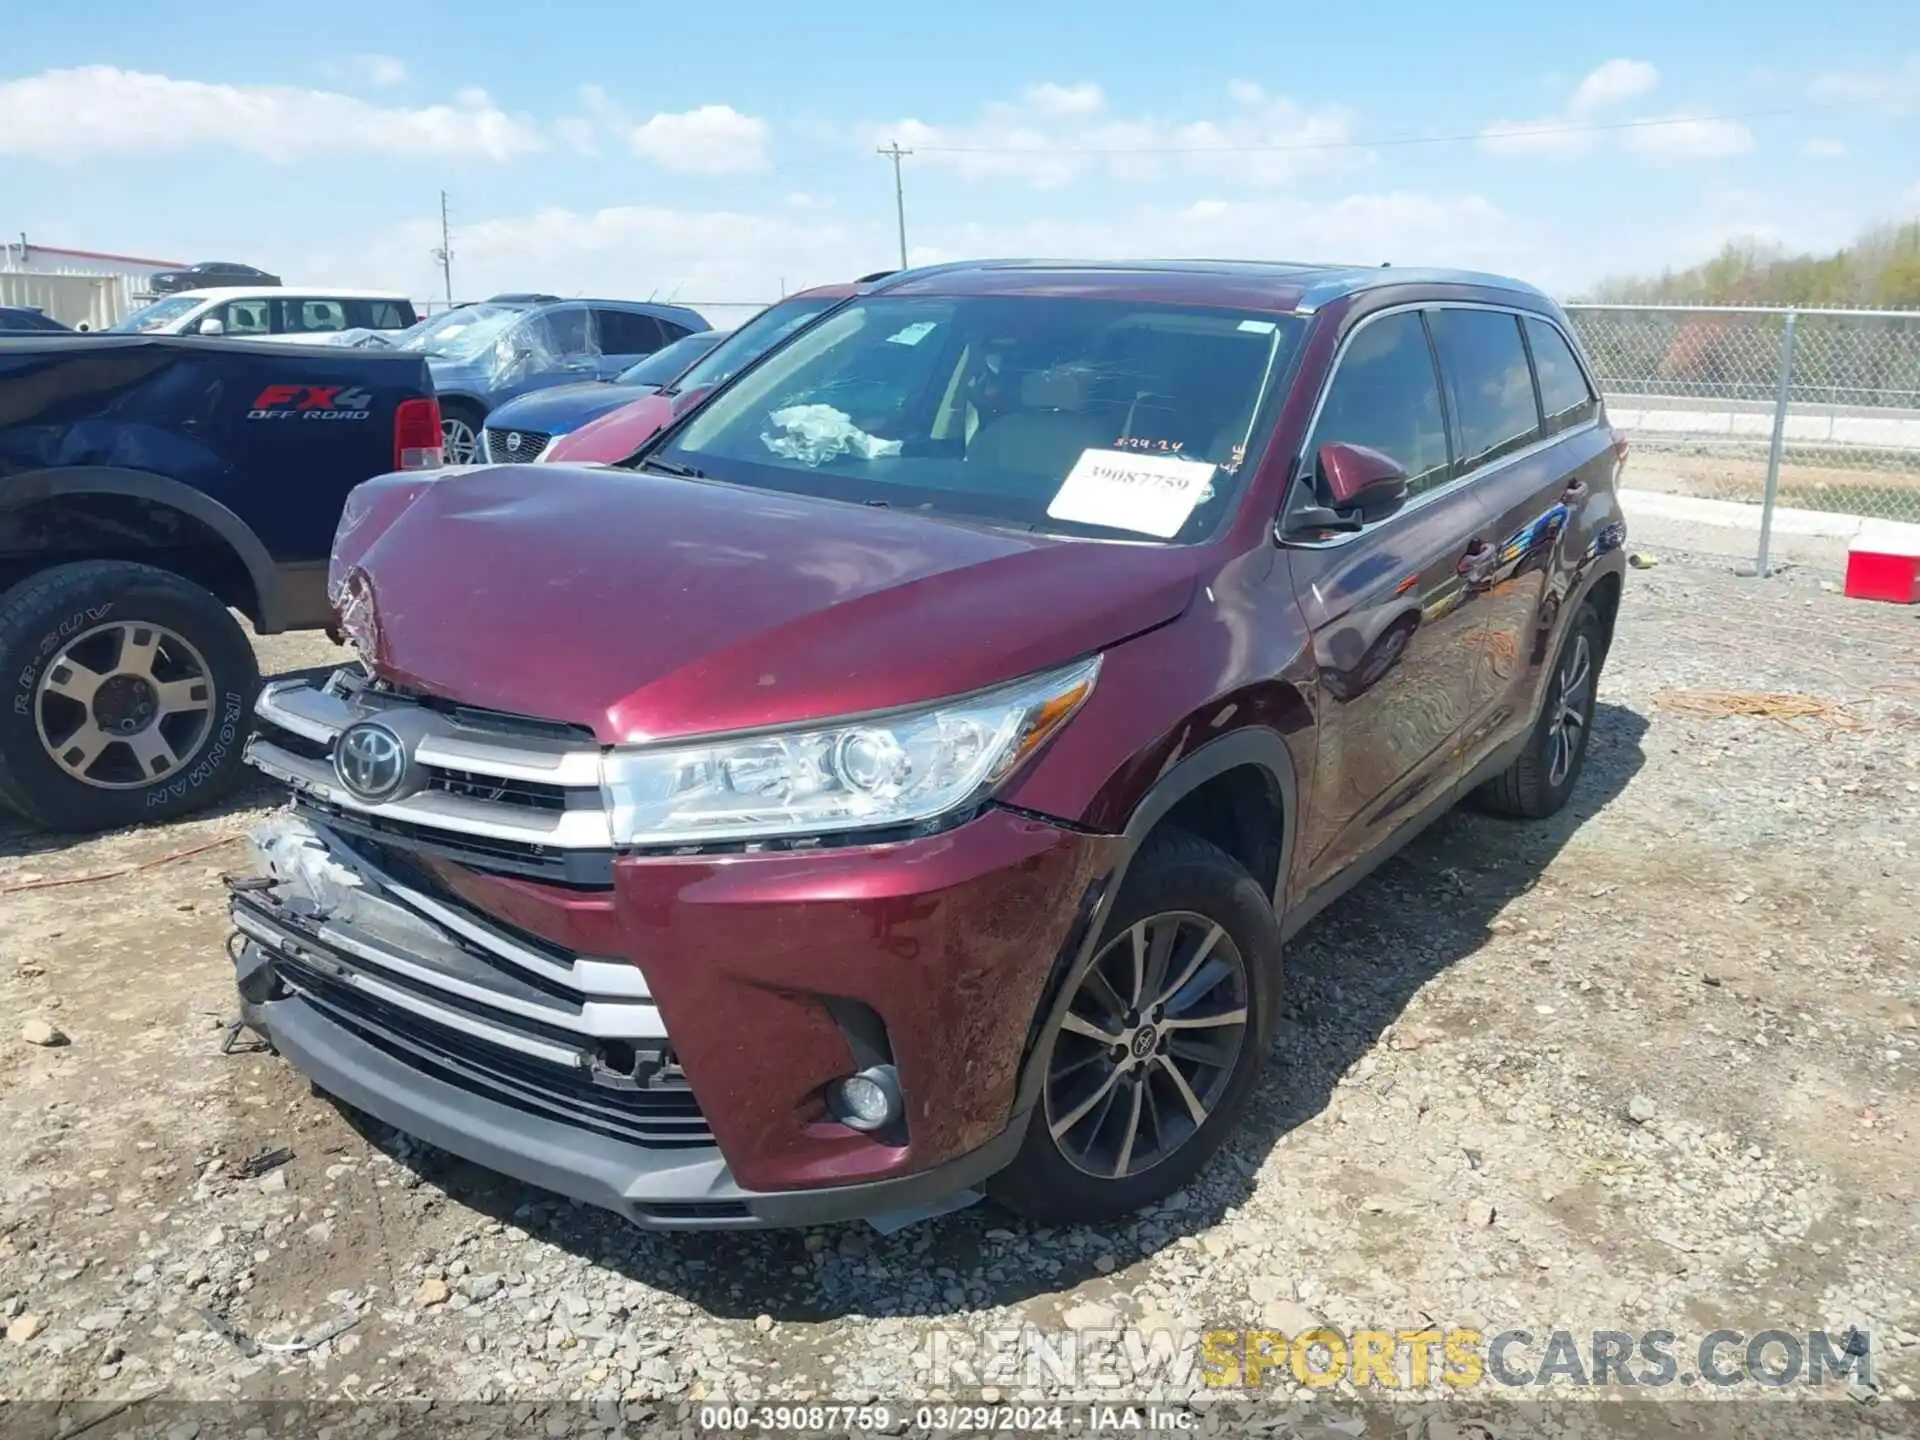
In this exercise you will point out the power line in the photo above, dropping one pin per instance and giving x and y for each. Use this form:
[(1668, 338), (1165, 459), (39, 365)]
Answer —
[(1381, 142)]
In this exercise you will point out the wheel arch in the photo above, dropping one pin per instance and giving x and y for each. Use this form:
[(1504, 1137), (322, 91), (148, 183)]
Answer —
[(251, 585), (462, 401), (1604, 594), (1256, 748)]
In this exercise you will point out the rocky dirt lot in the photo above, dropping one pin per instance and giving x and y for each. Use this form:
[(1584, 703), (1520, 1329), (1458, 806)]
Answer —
[(1651, 1065)]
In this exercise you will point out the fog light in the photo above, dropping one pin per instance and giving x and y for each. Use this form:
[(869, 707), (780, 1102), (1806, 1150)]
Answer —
[(867, 1101)]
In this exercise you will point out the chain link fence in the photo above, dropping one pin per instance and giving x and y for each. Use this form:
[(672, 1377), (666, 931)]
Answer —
[(1784, 410)]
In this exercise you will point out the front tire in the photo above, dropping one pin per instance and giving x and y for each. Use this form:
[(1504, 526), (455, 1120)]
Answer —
[(1540, 781), (1151, 1065), (128, 691)]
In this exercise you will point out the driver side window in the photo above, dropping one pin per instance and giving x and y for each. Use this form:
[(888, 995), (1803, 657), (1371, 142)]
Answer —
[(1386, 396)]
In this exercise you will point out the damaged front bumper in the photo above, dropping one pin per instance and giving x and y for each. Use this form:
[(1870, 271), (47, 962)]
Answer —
[(554, 1069)]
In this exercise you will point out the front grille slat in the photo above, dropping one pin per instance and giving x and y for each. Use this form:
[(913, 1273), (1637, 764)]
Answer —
[(577, 869), (499, 790), (664, 1117), (530, 793)]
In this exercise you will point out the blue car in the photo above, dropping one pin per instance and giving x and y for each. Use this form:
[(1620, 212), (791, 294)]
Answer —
[(521, 430), (487, 354)]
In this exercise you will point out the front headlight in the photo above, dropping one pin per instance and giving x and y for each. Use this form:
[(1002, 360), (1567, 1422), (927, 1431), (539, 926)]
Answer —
[(875, 773)]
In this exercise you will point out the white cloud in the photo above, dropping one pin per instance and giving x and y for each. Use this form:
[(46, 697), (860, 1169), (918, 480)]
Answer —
[(1611, 83), (1821, 149), (1895, 90), (1065, 100), (725, 261), (102, 110), (1057, 134), (379, 71), (1580, 131), (1361, 229), (1689, 139), (712, 140), (691, 256)]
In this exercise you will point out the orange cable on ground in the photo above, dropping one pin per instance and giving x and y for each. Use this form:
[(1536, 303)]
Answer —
[(152, 864)]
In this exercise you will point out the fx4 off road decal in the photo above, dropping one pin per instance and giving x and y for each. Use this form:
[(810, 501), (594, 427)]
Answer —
[(311, 402)]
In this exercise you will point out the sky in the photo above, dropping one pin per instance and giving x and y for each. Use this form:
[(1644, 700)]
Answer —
[(723, 155)]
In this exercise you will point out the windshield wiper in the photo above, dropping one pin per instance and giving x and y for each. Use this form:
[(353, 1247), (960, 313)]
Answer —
[(673, 467)]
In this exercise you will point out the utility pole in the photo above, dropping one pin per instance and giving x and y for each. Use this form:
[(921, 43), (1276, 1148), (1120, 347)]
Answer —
[(894, 153), (445, 253)]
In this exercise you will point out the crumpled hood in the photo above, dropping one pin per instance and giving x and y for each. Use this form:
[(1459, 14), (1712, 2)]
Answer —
[(645, 606), (563, 407)]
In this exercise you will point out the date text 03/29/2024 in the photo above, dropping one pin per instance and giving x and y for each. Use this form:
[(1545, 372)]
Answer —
[(955, 1418)]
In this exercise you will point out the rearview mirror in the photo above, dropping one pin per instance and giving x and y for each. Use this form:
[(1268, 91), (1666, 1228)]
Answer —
[(1352, 477)]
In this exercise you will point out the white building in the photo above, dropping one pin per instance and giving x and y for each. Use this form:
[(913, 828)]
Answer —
[(76, 287)]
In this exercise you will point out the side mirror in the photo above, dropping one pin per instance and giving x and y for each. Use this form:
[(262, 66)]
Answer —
[(1352, 477), (213, 325)]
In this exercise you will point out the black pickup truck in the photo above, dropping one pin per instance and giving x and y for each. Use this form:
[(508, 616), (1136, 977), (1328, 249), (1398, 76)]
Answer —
[(149, 487)]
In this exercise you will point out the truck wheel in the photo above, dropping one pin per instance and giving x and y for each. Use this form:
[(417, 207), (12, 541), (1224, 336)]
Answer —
[(127, 692), (1161, 1042), (460, 438)]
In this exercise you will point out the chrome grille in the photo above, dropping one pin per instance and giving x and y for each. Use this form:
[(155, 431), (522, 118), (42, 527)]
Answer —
[(494, 791), (508, 447), (381, 947)]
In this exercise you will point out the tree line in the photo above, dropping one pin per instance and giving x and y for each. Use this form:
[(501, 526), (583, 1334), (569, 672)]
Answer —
[(1880, 270)]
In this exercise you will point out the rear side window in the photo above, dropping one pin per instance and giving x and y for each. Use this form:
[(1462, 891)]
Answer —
[(314, 316), (623, 333), (568, 331), (1386, 397), (378, 315), (1488, 381), (1564, 395)]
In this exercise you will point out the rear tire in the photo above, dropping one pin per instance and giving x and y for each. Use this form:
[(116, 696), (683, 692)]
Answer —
[(1124, 1121), (1540, 781), (127, 696), (461, 432)]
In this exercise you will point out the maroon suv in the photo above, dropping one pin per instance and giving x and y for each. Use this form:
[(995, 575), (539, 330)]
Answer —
[(902, 775)]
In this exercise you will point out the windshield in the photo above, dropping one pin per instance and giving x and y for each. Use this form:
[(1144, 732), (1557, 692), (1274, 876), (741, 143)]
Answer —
[(157, 315), (1099, 417), (667, 362), (752, 340), (461, 334)]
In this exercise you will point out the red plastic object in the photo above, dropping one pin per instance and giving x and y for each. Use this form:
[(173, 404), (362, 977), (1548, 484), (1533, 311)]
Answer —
[(1884, 565)]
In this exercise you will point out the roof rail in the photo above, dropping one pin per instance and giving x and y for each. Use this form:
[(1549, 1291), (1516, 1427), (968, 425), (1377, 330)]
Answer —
[(1340, 285)]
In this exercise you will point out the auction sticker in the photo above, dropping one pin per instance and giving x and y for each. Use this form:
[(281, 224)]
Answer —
[(1150, 494)]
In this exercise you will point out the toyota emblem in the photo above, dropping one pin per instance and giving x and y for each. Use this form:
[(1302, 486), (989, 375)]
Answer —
[(513, 440), (370, 761)]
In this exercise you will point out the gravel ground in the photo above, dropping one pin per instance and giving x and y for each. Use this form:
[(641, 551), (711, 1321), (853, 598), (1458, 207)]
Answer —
[(1650, 1065)]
